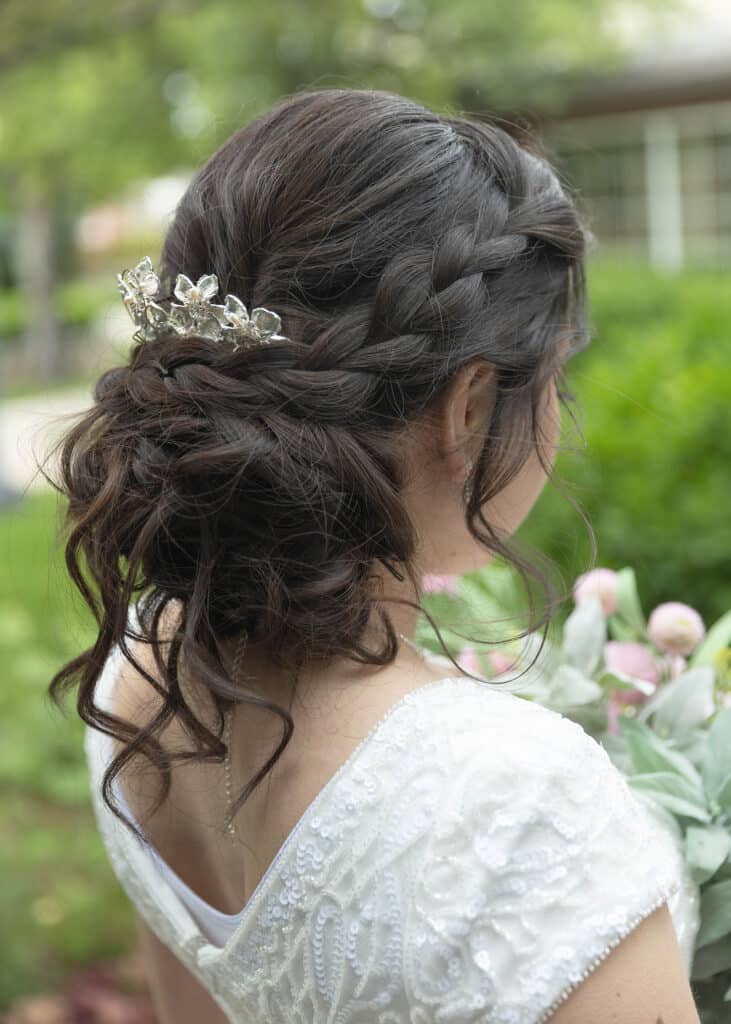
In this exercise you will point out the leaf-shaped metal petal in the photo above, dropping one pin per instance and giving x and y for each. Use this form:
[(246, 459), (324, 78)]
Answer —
[(183, 287), (218, 311), (123, 286), (157, 316), (265, 321), (132, 300), (149, 285), (128, 280), (143, 267), (180, 318), (207, 286), (236, 311), (135, 311), (207, 326)]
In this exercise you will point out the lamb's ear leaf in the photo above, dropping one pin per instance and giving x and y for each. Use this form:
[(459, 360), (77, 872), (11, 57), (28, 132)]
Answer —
[(715, 913), (680, 707), (717, 637), (672, 792), (628, 601), (650, 754), (584, 636), (706, 849), (716, 768)]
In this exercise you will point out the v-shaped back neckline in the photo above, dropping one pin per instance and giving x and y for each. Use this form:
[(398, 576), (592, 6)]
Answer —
[(208, 952)]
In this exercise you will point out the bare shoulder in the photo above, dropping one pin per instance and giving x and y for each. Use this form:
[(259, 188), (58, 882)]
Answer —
[(135, 699), (177, 996), (642, 981)]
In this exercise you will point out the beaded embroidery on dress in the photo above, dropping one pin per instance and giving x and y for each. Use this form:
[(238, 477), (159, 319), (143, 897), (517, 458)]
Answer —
[(471, 862)]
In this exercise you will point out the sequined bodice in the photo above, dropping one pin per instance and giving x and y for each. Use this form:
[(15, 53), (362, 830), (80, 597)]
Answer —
[(472, 861)]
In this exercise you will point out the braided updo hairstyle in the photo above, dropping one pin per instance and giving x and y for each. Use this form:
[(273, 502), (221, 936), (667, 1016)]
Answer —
[(259, 487)]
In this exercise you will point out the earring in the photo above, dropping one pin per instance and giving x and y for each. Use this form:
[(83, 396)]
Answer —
[(468, 473)]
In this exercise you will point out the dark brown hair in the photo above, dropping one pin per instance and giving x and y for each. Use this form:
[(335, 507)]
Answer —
[(258, 488)]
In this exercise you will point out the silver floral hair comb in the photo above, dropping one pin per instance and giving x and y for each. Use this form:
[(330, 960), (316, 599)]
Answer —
[(140, 290)]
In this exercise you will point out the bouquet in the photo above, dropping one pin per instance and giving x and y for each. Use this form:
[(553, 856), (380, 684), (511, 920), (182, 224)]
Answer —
[(656, 694)]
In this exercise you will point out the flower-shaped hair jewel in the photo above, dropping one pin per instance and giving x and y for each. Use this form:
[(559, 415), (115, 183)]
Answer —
[(195, 313)]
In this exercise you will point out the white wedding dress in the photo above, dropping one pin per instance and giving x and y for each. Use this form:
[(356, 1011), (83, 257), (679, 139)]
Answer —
[(472, 861)]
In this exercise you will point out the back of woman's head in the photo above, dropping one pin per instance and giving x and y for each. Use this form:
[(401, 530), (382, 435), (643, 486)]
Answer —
[(260, 487)]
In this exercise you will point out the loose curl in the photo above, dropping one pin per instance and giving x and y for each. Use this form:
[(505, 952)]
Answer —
[(258, 488)]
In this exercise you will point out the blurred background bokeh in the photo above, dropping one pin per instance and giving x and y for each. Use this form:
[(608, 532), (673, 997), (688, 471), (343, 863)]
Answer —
[(107, 107)]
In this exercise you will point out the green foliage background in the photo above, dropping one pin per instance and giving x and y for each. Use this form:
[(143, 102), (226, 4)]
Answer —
[(655, 394)]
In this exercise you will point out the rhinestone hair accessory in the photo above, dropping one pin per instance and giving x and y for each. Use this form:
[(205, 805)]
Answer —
[(140, 289)]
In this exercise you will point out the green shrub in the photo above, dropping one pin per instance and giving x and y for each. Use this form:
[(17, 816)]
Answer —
[(654, 390), (78, 302)]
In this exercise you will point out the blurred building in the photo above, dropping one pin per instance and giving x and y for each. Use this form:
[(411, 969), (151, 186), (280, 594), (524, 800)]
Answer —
[(649, 149)]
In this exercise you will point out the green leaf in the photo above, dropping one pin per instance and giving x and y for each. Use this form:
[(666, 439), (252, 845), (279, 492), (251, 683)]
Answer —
[(715, 913), (681, 706), (569, 688), (712, 959), (628, 602), (584, 636), (705, 850), (716, 769), (620, 631), (479, 621), (650, 754), (616, 680), (717, 637), (673, 792)]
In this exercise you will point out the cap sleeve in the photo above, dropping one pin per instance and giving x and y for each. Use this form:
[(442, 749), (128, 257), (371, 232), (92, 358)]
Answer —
[(541, 861)]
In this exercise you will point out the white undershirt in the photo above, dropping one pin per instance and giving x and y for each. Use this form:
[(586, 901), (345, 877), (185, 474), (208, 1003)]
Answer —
[(216, 925)]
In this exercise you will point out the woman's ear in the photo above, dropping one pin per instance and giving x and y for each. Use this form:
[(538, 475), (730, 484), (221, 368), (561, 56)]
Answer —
[(465, 415)]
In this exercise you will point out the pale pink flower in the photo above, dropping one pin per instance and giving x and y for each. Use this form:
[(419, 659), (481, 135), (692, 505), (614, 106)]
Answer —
[(601, 583), (624, 697), (435, 584), (631, 659), (468, 660), (676, 628), (501, 662), (614, 712), (677, 664)]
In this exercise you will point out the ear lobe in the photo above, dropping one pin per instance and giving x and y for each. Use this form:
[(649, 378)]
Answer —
[(481, 399), (468, 402)]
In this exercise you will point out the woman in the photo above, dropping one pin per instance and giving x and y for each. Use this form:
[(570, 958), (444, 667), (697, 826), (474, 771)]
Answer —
[(347, 376)]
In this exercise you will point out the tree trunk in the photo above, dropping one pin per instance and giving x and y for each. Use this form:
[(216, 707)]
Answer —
[(37, 272)]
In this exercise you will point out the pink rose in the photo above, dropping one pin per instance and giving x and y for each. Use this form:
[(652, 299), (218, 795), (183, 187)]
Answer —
[(433, 584), (601, 583), (500, 662), (676, 628)]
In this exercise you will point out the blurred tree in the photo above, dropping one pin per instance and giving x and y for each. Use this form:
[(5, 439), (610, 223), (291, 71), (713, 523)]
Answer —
[(82, 112), (94, 96)]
